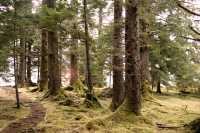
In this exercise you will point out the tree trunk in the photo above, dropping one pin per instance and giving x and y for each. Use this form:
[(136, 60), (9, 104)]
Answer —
[(53, 63), (22, 63), (87, 52), (133, 76), (43, 85), (144, 55), (100, 20), (74, 49), (158, 87), (73, 63), (38, 67), (15, 64), (16, 76), (101, 61), (118, 80), (53, 58), (28, 79), (144, 50)]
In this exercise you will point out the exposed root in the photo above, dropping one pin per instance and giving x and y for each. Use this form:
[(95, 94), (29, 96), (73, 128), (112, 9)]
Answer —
[(92, 101), (34, 90), (153, 101), (159, 125)]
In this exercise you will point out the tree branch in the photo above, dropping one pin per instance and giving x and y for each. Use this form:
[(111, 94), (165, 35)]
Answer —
[(194, 30), (189, 38), (186, 9)]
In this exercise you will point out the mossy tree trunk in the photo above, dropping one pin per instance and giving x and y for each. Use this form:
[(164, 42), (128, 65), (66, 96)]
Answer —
[(144, 55), (43, 72), (132, 101), (87, 52), (118, 81)]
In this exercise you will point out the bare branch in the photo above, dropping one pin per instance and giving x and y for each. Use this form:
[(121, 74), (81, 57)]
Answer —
[(189, 38), (194, 30), (188, 10)]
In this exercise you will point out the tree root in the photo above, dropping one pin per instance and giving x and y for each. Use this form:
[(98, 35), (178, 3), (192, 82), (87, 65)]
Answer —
[(153, 101), (92, 101), (164, 126)]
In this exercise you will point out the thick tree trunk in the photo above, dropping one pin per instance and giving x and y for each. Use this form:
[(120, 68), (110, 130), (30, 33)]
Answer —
[(133, 76), (118, 80), (87, 52), (53, 58), (144, 50), (53, 64), (73, 63), (144, 55), (22, 64), (74, 49), (43, 85)]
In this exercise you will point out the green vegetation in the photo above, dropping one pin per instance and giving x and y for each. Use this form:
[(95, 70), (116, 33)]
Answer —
[(121, 66)]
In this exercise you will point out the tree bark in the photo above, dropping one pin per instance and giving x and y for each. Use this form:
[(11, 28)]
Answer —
[(132, 69), (53, 64), (144, 55), (43, 85), (28, 79), (73, 63), (22, 63), (87, 52), (158, 87), (118, 80), (54, 82), (15, 63), (74, 48), (100, 20)]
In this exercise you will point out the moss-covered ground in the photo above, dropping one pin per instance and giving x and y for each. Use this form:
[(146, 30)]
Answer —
[(8, 111), (166, 113)]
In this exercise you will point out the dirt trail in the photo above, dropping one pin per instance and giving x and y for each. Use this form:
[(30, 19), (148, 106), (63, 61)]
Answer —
[(29, 123)]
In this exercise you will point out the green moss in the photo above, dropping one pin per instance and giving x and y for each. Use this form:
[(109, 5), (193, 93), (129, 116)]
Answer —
[(79, 87), (91, 101), (95, 124), (146, 90), (194, 125), (9, 114)]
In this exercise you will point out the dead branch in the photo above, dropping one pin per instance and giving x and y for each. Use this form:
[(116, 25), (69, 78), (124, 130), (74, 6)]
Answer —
[(188, 10)]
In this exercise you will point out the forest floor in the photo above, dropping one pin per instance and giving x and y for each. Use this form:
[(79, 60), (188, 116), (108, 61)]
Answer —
[(165, 113)]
